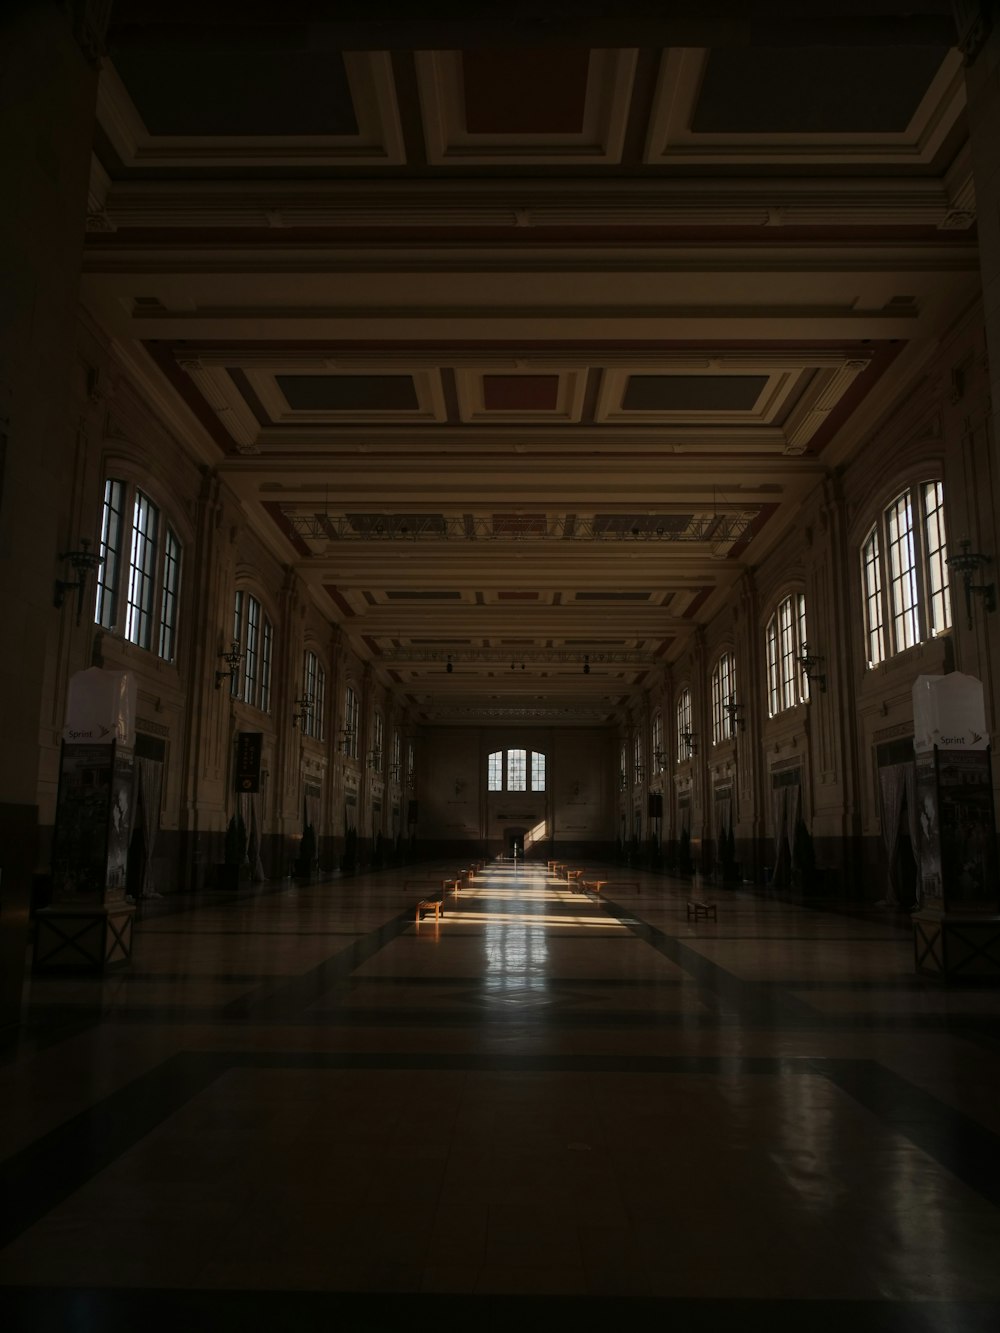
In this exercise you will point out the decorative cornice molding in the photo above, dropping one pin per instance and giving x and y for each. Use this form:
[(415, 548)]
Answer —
[(777, 205)]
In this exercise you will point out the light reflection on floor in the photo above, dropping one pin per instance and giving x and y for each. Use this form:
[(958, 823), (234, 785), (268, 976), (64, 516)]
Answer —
[(545, 1092)]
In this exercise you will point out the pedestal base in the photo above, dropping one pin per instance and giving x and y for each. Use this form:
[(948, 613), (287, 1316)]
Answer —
[(957, 947), (92, 939)]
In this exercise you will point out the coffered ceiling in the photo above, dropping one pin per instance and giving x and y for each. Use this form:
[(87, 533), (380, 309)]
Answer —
[(521, 351)]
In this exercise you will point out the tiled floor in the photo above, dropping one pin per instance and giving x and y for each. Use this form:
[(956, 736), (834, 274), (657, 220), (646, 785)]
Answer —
[(299, 1109)]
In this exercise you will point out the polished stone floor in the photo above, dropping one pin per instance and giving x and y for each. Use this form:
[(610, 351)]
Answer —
[(298, 1108)]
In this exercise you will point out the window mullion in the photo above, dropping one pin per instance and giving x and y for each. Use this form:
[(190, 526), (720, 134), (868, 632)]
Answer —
[(885, 569), (920, 560)]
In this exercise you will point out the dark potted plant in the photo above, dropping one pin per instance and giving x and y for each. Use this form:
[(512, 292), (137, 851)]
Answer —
[(349, 861), (235, 853), (684, 865), (727, 857), (803, 858), (306, 859)]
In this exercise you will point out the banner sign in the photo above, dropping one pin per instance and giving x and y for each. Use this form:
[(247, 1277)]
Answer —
[(249, 745)]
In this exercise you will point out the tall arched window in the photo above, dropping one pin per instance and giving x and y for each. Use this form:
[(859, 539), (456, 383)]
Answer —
[(723, 691), (378, 739), (314, 689), (785, 641), (904, 573), (352, 716), (656, 736), (515, 770), (253, 634), (138, 581), (684, 746)]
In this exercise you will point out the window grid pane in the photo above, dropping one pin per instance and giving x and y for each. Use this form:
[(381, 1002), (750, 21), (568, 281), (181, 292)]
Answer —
[(168, 603), (250, 651), (317, 714), (142, 570), (935, 544), (872, 563), (351, 724), (786, 638), (234, 679), (494, 778), (516, 770), (309, 693), (902, 575), (722, 690), (683, 723), (111, 540), (773, 692), (265, 667), (801, 679), (537, 771)]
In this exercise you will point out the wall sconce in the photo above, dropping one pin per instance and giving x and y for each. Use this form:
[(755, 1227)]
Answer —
[(375, 760), (688, 738), (734, 712), (968, 563), (638, 773), (82, 562), (659, 760), (348, 737), (394, 772), (303, 707), (809, 662), (621, 782), (232, 658)]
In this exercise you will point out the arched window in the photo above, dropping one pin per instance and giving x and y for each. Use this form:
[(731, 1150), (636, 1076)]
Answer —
[(904, 573), (684, 746), (138, 581), (656, 736), (378, 739), (723, 691), (515, 770), (253, 634), (785, 641), (352, 715), (637, 758), (314, 690)]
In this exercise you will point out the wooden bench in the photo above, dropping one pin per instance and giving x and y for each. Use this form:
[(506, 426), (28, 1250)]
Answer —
[(618, 884), (455, 884), (435, 905), (698, 908), (595, 885)]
